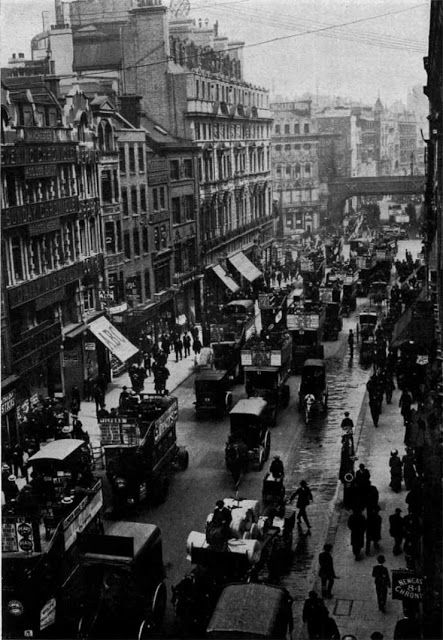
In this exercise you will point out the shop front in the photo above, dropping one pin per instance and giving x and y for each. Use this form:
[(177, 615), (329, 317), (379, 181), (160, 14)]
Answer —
[(84, 359), (10, 435)]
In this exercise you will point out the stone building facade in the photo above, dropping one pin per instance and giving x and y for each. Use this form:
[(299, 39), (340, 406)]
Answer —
[(52, 245), (298, 189)]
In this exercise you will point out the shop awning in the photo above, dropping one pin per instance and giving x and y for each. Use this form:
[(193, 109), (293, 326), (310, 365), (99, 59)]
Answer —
[(111, 337), (245, 266), (225, 278), (416, 324)]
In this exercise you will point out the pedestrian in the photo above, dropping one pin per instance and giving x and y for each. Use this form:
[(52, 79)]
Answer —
[(74, 408), (147, 362), (10, 488), (304, 497), (75, 395), (123, 398), (178, 348), (373, 529), (351, 343), (347, 426), (277, 469), (88, 388), (187, 345), (357, 525), (279, 278), (407, 628), (329, 629), (395, 465), (314, 612), (405, 406), (18, 468), (362, 476), (374, 406), (409, 470), (196, 346), (396, 530), (389, 388), (382, 582), (165, 344), (371, 497), (326, 571), (99, 397)]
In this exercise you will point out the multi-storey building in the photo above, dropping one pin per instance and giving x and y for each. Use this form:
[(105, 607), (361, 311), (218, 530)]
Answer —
[(295, 167), (191, 83), (52, 244)]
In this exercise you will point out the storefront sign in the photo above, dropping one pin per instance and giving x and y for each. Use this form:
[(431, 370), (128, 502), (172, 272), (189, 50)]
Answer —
[(111, 337), (82, 515), (89, 346), (47, 614), (40, 170), (165, 422), (406, 585), (17, 535), (8, 402), (119, 308)]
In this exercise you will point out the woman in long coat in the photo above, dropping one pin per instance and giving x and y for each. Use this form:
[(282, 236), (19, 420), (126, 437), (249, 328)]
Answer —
[(357, 525)]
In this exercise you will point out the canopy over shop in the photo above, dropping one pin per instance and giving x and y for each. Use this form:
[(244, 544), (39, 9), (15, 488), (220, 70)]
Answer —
[(244, 266)]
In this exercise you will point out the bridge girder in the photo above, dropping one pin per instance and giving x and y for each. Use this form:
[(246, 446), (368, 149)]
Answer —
[(340, 189)]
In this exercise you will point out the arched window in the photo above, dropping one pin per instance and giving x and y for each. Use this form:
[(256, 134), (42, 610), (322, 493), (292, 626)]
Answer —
[(297, 170), (307, 168), (109, 137)]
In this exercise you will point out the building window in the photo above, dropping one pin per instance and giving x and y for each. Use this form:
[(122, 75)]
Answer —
[(178, 261), (174, 170), (122, 159), (163, 237), (125, 201), (145, 239), (162, 276), (89, 298), (287, 128), (307, 147), (297, 170), (147, 285), (136, 238), (175, 205), (306, 128), (278, 170), (106, 187), (278, 147), (297, 147), (277, 129), (118, 234), (17, 264), (134, 207), (155, 199), (141, 159), (296, 128), (307, 168), (156, 239), (287, 147), (143, 206), (131, 160), (188, 168), (162, 198), (127, 244), (288, 170), (189, 207), (110, 237), (192, 257)]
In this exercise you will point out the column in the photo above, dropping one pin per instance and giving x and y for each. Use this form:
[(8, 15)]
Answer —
[(24, 257), (10, 262)]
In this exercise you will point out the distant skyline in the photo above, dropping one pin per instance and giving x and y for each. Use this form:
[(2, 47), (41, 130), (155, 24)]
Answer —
[(379, 49)]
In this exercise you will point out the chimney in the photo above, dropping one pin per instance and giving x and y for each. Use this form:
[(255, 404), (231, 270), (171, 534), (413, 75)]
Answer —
[(130, 109)]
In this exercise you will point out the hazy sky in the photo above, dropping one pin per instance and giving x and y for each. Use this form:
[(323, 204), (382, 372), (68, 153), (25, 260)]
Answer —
[(378, 50)]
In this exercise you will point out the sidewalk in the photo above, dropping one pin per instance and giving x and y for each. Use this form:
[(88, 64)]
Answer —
[(179, 371), (354, 605)]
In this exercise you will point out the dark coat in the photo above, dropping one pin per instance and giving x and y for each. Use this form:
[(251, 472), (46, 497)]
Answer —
[(357, 525), (396, 529), (373, 527)]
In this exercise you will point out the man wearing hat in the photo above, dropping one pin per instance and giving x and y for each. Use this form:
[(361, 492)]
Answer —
[(347, 426), (124, 395), (10, 488), (396, 530), (326, 571)]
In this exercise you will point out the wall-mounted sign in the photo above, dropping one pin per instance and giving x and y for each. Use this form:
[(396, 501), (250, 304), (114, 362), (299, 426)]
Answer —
[(406, 585), (89, 346), (8, 401)]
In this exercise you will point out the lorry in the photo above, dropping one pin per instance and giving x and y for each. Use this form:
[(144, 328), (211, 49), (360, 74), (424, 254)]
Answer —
[(266, 360), (140, 449), (305, 325)]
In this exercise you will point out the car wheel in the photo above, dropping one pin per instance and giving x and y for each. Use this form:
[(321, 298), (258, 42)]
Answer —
[(261, 460), (183, 459), (159, 603)]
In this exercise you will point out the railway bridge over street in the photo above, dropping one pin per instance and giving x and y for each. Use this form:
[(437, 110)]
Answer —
[(340, 189)]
